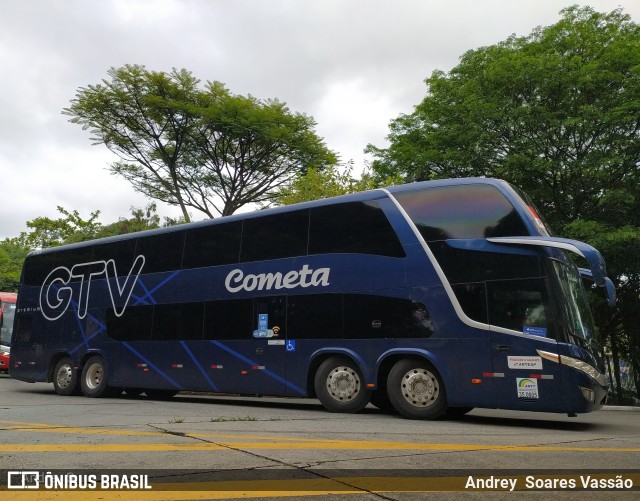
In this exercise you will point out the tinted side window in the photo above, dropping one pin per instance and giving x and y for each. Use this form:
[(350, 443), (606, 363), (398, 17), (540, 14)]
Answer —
[(70, 258), (212, 245), (274, 237), (24, 328), (275, 309), (464, 211), (161, 252), (461, 266), (367, 317), (521, 305), (231, 319), (122, 252), (37, 267), (178, 321), (473, 301), (357, 227), (315, 316), (135, 325)]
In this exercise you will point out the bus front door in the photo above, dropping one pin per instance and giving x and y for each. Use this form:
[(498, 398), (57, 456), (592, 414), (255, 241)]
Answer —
[(522, 326)]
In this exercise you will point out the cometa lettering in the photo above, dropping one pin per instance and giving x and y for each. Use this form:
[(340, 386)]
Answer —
[(237, 281)]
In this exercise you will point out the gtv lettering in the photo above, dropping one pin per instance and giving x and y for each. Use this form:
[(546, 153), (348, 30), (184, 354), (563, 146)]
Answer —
[(56, 294), (237, 281)]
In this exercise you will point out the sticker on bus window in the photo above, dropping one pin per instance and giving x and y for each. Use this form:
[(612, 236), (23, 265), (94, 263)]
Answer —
[(534, 331), (527, 387)]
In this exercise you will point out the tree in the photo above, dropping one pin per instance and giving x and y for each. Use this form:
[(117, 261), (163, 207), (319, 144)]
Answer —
[(557, 113), (47, 232), (202, 148), (12, 255), (316, 184)]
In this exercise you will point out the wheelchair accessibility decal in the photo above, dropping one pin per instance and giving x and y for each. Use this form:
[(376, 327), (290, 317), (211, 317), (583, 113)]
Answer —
[(291, 345)]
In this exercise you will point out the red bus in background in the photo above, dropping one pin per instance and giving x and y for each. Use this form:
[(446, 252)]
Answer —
[(7, 312)]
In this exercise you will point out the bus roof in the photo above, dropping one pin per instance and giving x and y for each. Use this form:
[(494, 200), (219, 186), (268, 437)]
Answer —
[(362, 196)]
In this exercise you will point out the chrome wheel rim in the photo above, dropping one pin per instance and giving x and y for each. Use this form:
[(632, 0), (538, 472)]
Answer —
[(420, 388), (94, 376), (343, 383), (64, 376)]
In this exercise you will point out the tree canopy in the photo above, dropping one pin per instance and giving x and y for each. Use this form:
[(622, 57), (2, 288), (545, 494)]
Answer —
[(193, 146), (333, 181), (557, 113), (46, 232)]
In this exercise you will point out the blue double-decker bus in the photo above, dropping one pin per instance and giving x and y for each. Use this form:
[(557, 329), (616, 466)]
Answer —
[(427, 298)]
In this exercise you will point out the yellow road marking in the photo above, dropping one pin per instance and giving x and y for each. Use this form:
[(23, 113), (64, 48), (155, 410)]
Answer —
[(221, 441), (320, 445)]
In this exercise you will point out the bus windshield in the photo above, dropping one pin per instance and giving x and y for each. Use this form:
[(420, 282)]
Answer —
[(576, 306)]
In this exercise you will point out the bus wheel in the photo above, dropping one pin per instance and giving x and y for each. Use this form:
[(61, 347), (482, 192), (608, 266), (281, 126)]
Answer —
[(93, 381), (338, 385), (65, 378), (416, 390)]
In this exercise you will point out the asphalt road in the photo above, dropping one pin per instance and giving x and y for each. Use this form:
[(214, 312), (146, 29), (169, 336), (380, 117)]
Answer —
[(212, 447)]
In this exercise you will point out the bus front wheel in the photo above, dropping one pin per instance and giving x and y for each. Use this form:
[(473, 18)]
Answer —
[(65, 378), (93, 381), (339, 386), (416, 390)]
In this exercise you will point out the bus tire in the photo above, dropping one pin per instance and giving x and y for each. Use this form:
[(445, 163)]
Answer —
[(65, 378), (93, 381), (339, 386), (416, 390)]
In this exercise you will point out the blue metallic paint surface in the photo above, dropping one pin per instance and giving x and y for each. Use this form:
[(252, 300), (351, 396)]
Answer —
[(459, 352)]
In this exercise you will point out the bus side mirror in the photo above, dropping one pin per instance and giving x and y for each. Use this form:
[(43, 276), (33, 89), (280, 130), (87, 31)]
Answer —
[(610, 289)]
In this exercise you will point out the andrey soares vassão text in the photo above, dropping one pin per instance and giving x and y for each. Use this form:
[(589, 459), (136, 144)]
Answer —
[(568, 482)]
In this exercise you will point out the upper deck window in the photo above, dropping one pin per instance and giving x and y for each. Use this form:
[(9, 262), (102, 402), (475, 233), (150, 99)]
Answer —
[(353, 228), (461, 211)]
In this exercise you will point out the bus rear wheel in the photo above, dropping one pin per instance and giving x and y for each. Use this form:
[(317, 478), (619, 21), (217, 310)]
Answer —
[(339, 386), (94, 378), (416, 390), (65, 378)]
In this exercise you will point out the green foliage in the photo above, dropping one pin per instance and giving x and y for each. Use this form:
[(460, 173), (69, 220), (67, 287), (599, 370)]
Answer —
[(556, 113), (12, 255), (317, 184), (207, 149), (140, 220), (47, 232)]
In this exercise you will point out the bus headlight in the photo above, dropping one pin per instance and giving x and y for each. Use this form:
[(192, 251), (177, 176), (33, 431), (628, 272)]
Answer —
[(574, 363)]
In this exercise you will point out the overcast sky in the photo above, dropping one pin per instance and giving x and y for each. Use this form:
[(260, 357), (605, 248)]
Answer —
[(353, 65)]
